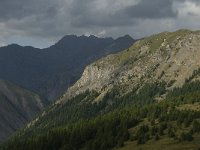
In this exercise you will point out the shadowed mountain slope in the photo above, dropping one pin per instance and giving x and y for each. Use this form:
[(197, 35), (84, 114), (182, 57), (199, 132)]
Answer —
[(17, 107), (49, 72)]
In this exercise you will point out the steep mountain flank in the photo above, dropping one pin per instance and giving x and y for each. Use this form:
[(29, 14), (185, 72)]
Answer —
[(169, 57), (17, 107), (146, 71), (49, 72), (154, 64)]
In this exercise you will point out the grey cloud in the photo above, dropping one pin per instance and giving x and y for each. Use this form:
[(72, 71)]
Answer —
[(196, 1), (19, 9), (151, 9), (145, 9), (30, 17), (52, 19)]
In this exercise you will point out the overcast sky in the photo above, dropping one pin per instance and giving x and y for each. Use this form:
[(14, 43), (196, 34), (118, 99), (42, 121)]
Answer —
[(41, 23)]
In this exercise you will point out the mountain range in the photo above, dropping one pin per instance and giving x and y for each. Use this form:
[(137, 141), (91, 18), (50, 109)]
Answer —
[(47, 72), (144, 97), (167, 59), (50, 71)]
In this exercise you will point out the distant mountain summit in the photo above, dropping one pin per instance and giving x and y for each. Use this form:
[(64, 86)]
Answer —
[(50, 71), (74, 40)]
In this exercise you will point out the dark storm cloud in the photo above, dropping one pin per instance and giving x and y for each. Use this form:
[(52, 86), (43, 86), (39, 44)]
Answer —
[(84, 15), (151, 9), (29, 17), (19, 9), (55, 18), (196, 1), (80, 13)]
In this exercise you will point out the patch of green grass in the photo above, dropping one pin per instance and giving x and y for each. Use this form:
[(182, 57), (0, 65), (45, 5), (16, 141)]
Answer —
[(164, 143), (180, 33), (194, 107)]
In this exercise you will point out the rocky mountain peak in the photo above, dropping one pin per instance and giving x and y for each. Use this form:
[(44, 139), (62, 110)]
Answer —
[(125, 37)]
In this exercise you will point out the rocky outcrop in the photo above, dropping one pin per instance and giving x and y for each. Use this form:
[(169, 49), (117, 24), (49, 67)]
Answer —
[(164, 57)]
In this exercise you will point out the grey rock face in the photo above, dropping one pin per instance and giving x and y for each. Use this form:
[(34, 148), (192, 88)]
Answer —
[(163, 57)]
